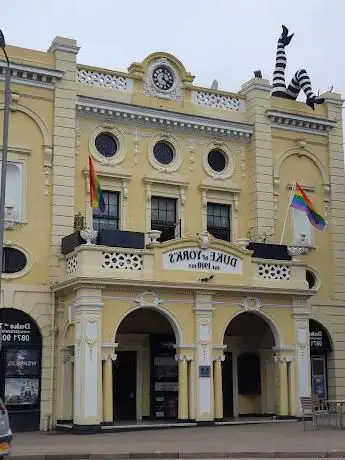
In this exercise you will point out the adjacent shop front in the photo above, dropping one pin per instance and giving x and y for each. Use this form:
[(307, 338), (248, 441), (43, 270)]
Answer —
[(20, 368)]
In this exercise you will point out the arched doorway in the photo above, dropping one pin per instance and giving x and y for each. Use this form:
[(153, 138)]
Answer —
[(20, 369), (248, 372), (320, 349), (145, 373)]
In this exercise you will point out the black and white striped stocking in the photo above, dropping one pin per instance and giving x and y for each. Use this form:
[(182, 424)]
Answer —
[(279, 85), (300, 80)]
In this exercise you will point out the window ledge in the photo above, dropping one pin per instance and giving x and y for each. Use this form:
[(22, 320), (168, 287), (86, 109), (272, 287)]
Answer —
[(14, 224)]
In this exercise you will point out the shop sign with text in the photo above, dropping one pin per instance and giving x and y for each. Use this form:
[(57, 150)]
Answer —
[(196, 259)]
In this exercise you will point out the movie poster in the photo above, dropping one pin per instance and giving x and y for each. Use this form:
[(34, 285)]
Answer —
[(21, 391), (22, 362)]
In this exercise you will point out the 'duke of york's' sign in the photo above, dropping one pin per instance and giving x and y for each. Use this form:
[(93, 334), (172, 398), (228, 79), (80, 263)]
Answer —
[(197, 259)]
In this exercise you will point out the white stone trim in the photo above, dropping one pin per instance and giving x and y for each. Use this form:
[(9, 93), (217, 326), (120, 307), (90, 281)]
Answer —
[(31, 75), (217, 100), (112, 182), (174, 93), (229, 168), (166, 188), (224, 195), (99, 78), (163, 118), (300, 123), (177, 160), (117, 134)]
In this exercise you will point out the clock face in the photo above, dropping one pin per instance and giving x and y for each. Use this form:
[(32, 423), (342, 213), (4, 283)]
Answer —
[(163, 78)]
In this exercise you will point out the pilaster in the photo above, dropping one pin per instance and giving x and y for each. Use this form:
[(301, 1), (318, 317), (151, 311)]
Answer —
[(260, 162), (218, 387), (88, 364), (63, 186), (183, 406), (301, 316), (337, 183), (108, 385), (203, 317)]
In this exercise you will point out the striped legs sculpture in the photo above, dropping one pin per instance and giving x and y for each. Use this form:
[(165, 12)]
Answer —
[(300, 81)]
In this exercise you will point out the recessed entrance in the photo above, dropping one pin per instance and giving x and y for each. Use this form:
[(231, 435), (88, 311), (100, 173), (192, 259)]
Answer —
[(145, 374), (248, 371), (125, 388), (320, 350)]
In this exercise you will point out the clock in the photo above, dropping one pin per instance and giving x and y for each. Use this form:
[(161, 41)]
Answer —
[(163, 78)]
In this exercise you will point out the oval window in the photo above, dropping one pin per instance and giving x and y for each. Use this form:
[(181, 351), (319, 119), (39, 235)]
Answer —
[(311, 279), (14, 260), (163, 153), (217, 160), (106, 145)]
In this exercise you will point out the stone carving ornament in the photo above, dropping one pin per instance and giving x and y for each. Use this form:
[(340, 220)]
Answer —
[(161, 80)]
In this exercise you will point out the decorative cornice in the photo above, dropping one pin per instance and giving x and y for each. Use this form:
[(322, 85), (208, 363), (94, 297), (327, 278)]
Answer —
[(301, 123), (131, 284), (163, 118), (30, 75)]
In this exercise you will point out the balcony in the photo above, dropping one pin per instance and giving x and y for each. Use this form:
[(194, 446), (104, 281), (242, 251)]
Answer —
[(186, 262)]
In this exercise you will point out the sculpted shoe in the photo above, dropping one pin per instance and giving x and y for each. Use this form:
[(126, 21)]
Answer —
[(285, 38)]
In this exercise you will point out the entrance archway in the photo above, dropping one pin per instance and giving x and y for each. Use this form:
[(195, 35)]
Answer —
[(145, 373), (320, 352), (20, 369), (248, 372)]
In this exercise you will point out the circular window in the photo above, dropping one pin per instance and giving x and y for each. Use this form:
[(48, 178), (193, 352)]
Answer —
[(14, 260), (163, 153), (311, 279), (217, 160), (106, 145)]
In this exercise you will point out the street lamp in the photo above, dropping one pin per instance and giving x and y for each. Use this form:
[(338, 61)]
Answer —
[(4, 157)]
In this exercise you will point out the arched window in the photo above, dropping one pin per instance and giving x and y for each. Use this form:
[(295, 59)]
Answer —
[(14, 189)]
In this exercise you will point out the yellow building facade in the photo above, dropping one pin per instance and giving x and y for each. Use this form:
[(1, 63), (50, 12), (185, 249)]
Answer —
[(179, 302)]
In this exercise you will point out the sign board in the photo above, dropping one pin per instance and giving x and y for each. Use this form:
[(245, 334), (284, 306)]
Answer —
[(204, 371), (316, 339), (201, 260), (17, 328)]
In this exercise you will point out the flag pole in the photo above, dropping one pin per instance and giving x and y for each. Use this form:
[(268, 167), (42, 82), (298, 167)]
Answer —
[(287, 211)]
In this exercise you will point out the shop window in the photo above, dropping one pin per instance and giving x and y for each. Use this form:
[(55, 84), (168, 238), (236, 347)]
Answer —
[(14, 189), (218, 221), (163, 217), (249, 374), (302, 228), (20, 368), (14, 260), (110, 218)]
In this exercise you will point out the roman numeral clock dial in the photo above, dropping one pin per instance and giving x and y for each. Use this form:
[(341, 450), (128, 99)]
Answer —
[(163, 78)]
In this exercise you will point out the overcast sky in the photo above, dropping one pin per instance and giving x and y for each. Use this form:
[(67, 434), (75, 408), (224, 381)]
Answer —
[(215, 39)]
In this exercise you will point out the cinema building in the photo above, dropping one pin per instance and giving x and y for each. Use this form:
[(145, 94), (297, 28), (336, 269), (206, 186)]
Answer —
[(181, 305)]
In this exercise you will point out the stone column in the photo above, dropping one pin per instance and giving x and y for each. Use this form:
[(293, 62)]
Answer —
[(191, 387), (336, 216), (283, 392), (259, 163), (88, 364), (63, 188), (182, 387), (203, 316), (292, 388), (301, 319), (108, 406), (68, 389), (218, 388)]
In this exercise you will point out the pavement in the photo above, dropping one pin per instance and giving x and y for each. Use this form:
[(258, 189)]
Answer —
[(274, 440)]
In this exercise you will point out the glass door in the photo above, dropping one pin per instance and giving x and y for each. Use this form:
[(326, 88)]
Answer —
[(319, 376)]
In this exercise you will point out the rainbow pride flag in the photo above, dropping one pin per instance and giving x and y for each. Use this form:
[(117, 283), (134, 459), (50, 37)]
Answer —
[(302, 202), (96, 194)]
